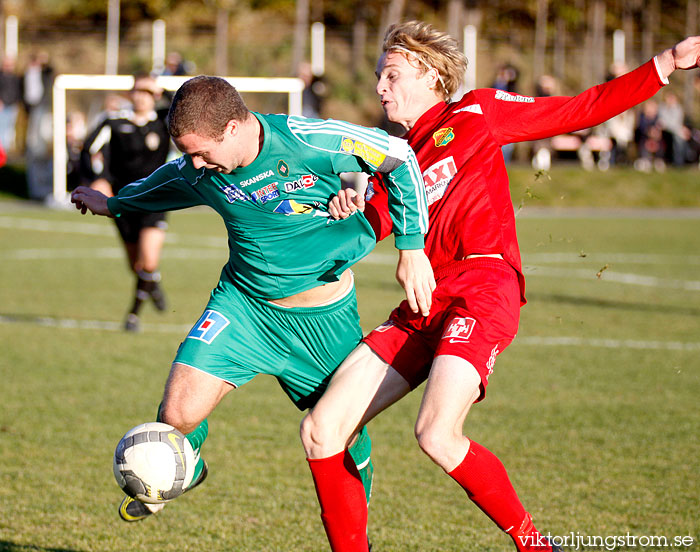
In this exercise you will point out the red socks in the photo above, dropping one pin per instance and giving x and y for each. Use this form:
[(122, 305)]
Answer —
[(482, 475), (342, 499)]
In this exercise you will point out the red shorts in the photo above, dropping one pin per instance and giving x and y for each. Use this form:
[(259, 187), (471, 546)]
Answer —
[(474, 315)]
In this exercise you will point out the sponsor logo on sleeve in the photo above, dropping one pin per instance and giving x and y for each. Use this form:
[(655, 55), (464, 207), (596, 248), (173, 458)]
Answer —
[(437, 177), (363, 151), (263, 195), (208, 326), (256, 178), (459, 330), (507, 97), (443, 136), (306, 181)]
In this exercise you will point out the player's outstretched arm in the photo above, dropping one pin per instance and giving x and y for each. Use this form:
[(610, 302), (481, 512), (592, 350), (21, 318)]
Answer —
[(415, 275), (684, 55), (86, 199)]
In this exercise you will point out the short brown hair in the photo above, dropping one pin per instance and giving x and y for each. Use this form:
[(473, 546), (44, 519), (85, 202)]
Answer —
[(434, 49), (204, 105)]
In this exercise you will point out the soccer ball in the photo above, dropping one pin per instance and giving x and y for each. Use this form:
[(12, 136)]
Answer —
[(154, 463)]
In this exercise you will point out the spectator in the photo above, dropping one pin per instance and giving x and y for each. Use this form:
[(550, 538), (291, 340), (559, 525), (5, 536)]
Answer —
[(542, 149), (10, 96), (174, 65), (506, 79), (37, 86), (649, 139), (672, 122), (313, 93), (75, 136)]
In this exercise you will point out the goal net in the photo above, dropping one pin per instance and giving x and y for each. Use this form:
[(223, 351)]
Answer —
[(292, 87)]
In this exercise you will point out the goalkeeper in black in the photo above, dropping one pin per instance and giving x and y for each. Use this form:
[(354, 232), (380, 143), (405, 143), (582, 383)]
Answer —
[(126, 146)]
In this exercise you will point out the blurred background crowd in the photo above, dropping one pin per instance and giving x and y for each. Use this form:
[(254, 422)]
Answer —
[(548, 47)]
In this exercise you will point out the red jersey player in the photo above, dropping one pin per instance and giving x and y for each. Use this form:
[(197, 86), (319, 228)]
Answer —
[(473, 249)]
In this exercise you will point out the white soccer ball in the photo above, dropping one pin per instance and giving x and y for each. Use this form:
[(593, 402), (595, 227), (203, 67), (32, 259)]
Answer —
[(154, 463)]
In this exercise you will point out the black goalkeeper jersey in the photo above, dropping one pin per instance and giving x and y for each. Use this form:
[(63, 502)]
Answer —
[(122, 151)]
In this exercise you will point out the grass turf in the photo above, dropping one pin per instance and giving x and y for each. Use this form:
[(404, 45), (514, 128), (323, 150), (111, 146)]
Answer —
[(599, 437)]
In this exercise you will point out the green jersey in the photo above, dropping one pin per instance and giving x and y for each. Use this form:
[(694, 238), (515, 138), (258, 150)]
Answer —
[(281, 238)]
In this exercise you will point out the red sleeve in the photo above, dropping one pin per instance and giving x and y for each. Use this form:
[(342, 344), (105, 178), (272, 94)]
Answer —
[(515, 118), (377, 208), (3, 156)]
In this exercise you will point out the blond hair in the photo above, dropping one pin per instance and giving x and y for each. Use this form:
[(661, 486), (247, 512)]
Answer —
[(432, 48)]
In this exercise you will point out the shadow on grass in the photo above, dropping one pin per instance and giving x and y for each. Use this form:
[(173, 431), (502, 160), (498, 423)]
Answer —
[(620, 305), (6, 546)]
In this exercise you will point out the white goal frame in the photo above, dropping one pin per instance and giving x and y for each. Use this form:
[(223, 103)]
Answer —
[(293, 87)]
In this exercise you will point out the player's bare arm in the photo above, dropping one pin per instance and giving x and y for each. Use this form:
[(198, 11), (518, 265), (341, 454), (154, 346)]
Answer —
[(684, 55), (415, 274), (86, 199)]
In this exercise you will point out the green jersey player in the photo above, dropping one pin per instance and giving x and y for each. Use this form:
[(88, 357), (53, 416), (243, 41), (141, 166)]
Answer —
[(285, 303)]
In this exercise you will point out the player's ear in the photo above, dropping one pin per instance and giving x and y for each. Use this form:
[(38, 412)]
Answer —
[(231, 127)]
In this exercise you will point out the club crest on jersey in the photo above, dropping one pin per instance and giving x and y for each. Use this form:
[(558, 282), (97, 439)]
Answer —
[(283, 168), (437, 177), (363, 151), (306, 181), (208, 326), (459, 330), (233, 193), (443, 136), (263, 195)]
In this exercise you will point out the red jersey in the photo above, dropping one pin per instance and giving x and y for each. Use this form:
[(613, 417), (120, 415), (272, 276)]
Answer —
[(458, 149)]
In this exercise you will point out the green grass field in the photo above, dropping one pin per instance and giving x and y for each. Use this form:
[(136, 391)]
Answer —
[(593, 409)]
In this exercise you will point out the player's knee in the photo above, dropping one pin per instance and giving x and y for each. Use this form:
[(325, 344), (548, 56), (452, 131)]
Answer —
[(318, 437), (174, 414), (433, 441)]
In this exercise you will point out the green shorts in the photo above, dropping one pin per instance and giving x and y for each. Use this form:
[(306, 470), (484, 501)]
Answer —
[(239, 337)]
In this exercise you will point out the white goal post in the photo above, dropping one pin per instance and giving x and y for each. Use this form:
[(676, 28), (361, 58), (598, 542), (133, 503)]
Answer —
[(293, 87)]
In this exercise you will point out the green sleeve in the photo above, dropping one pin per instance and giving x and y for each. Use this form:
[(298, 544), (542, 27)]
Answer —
[(168, 188), (355, 148)]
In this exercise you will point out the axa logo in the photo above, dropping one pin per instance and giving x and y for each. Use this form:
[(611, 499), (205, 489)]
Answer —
[(459, 330), (437, 177)]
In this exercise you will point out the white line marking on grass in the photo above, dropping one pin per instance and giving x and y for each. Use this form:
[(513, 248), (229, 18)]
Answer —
[(608, 343), (630, 258), (40, 225), (106, 325), (107, 253), (616, 277), (99, 229)]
